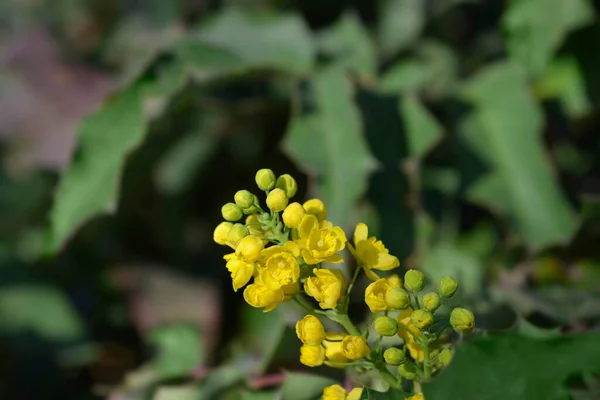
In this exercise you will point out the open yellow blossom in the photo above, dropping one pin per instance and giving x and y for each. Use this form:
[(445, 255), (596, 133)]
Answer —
[(280, 266), (375, 295), (334, 392), (416, 396), (316, 207), (333, 349), (310, 330), (260, 296), (241, 271), (249, 249), (312, 356), (320, 241), (371, 253), (355, 347), (355, 394), (326, 287)]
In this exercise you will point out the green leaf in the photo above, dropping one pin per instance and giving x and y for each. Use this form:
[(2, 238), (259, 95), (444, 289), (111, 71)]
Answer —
[(370, 394), (205, 60), (536, 28), (339, 142), (349, 43), (267, 395), (405, 77), (422, 130), (184, 392), (400, 24), (510, 125), (42, 310), (527, 329), (90, 184), (179, 350), (262, 39), (299, 386), (500, 367), (219, 380)]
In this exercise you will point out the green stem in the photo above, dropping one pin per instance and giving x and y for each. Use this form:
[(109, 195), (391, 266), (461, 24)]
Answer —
[(388, 377), (426, 359), (417, 301), (405, 328), (344, 320), (304, 304)]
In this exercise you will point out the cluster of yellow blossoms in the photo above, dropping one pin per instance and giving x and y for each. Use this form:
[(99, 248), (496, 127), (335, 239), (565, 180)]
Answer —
[(283, 251)]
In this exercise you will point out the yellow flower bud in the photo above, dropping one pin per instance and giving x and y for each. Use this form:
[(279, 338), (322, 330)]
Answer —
[(310, 330), (231, 212), (414, 280), (394, 280), (292, 215), (421, 318), (312, 356), (334, 392), (462, 320), (445, 357), (221, 232), (386, 326), (375, 295), (407, 371), (317, 208), (288, 184), (243, 199), (355, 347), (236, 233), (333, 350), (416, 396), (277, 200), (249, 248), (327, 287), (260, 296), (355, 394), (265, 179), (394, 356), (448, 286), (397, 299), (431, 301)]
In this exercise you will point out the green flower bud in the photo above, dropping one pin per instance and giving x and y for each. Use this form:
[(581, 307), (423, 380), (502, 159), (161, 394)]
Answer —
[(277, 200), (407, 371), (231, 212), (462, 320), (431, 301), (414, 280), (288, 184), (394, 356), (421, 318), (237, 233), (244, 199), (386, 326), (448, 286), (397, 299), (265, 179), (445, 357)]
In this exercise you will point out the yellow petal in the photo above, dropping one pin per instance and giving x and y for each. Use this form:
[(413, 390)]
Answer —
[(308, 223), (361, 232), (371, 275), (309, 259), (341, 236), (386, 262), (334, 259), (292, 248)]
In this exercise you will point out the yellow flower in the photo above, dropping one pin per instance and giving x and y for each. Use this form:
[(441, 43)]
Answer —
[(236, 233), (355, 347), (326, 287), (260, 296), (293, 214), (290, 290), (320, 241), (249, 249), (241, 271), (317, 208), (333, 350), (312, 356), (417, 396), (375, 295), (334, 392), (415, 350), (355, 394), (277, 200), (371, 252), (281, 266), (221, 232), (394, 280), (310, 330)]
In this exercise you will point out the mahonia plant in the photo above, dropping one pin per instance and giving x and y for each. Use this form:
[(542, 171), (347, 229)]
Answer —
[(286, 251)]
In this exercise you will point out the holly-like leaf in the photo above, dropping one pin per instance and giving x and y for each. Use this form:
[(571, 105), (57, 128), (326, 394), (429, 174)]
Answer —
[(401, 22), (179, 350), (299, 386), (422, 130)]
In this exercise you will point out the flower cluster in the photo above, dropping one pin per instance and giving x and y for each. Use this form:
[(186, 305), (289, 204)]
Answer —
[(288, 252)]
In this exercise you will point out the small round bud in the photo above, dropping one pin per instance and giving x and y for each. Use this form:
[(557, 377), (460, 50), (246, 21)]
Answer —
[(317, 208), (221, 232), (277, 200), (237, 233), (231, 212), (394, 356), (394, 280), (462, 320), (386, 326), (265, 179), (414, 280), (421, 318), (288, 184), (310, 330), (448, 286), (397, 299), (244, 199), (355, 347), (445, 357), (334, 392), (249, 248), (431, 301), (407, 371), (292, 215)]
